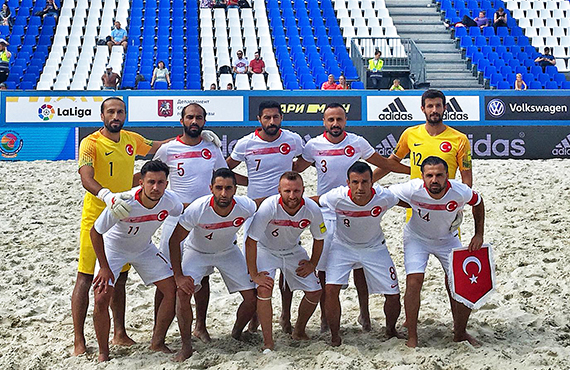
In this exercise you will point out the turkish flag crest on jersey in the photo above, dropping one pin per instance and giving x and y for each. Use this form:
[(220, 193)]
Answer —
[(472, 276)]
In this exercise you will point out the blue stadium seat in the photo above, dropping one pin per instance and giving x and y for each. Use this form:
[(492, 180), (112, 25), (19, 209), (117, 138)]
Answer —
[(480, 41), (566, 85), (559, 78), (528, 77), (495, 78), (551, 85), (511, 77), (534, 85), (489, 71), (474, 31), (514, 63), (551, 70), (160, 85), (543, 78), (494, 41), (460, 32), (483, 63), (505, 70), (504, 85), (465, 42)]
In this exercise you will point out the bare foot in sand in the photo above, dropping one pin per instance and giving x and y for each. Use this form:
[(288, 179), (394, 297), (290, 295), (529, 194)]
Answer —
[(336, 341), (285, 325), (300, 335), (184, 353), (79, 347), (122, 340), (365, 323), (103, 357), (412, 342), (391, 333), (468, 337), (202, 334), (324, 325), (160, 348)]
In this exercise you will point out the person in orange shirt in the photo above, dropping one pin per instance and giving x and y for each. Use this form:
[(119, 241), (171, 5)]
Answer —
[(330, 84), (342, 84)]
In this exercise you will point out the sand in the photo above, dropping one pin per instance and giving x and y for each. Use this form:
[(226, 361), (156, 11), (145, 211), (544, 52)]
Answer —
[(524, 325)]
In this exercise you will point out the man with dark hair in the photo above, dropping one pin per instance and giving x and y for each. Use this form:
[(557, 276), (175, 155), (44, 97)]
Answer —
[(209, 226), (358, 241), (375, 70), (274, 243), (268, 152), (546, 59), (435, 201), (333, 153), (191, 160), (120, 241)]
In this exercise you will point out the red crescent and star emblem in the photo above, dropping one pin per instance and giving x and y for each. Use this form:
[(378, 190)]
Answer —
[(238, 221), (375, 212), (206, 154), (349, 151), (284, 148), (451, 206), (445, 146), (162, 215), (129, 149), (304, 223)]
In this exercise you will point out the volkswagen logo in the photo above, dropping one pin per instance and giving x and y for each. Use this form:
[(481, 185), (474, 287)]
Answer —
[(496, 108)]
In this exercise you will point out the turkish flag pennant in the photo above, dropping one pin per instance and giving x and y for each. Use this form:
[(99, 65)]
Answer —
[(472, 276)]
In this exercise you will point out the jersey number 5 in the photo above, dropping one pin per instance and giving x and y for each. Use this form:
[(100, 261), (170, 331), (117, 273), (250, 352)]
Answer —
[(180, 169)]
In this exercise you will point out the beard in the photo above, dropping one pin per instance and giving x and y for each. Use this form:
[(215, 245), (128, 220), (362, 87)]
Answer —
[(434, 119), (271, 130), (335, 131), (222, 202), (292, 203), (114, 129), (436, 188), (193, 130)]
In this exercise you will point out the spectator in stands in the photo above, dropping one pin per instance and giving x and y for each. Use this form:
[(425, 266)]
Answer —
[(206, 4), (480, 21), (213, 87), (240, 64), (500, 19), (396, 85), (342, 84), (257, 65), (232, 4), (546, 59), (230, 86), (118, 37), (110, 79), (51, 10), (6, 15), (220, 4), (375, 67), (160, 74), (519, 83), (329, 84), (5, 56), (3, 86)]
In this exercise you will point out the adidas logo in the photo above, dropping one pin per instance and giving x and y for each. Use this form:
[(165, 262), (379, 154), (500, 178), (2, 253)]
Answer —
[(387, 146), (395, 111), (563, 147), (454, 112)]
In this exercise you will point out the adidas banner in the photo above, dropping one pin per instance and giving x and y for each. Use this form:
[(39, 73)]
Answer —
[(527, 108), (408, 109), (308, 108)]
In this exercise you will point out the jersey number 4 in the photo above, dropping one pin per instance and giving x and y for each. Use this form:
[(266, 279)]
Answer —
[(209, 236), (424, 217)]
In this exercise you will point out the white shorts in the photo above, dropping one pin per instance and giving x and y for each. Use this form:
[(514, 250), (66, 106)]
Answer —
[(287, 261), (167, 229), (378, 266), (330, 224), (417, 251), (230, 263), (150, 264)]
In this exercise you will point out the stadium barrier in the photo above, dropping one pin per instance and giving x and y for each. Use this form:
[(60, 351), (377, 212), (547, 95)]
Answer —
[(499, 124)]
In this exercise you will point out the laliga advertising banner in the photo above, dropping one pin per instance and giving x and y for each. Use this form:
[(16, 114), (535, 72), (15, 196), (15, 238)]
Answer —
[(166, 109), (54, 109), (472, 276), (406, 109)]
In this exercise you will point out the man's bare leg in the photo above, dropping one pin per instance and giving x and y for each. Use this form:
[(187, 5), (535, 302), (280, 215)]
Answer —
[(79, 305), (118, 302), (392, 309), (362, 291), (306, 308), (286, 300), (202, 299), (102, 322), (265, 315), (324, 324), (165, 314), (414, 284), (461, 315), (184, 317), (333, 310), (245, 312), (158, 296)]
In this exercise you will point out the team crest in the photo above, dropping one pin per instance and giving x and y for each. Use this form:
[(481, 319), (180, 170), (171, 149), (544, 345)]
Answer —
[(445, 146), (129, 149), (165, 108), (375, 212), (451, 206), (238, 221), (284, 148), (206, 154), (349, 151), (162, 215), (304, 223)]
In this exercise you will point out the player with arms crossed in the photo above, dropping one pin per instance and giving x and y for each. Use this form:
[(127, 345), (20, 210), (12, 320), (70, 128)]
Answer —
[(118, 242), (333, 153), (192, 161), (274, 242), (359, 242), (209, 226), (268, 153), (435, 201)]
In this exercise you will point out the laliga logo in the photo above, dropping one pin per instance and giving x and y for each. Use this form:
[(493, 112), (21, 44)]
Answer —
[(304, 223), (375, 212), (451, 206), (162, 215), (445, 147), (496, 108), (46, 112), (476, 261), (284, 148), (349, 151), (238, 221), (206, 154), (129, 149)]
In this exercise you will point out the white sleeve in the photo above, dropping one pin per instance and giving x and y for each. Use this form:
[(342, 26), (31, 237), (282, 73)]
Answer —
[(238, 153), (189, 218), (308, 152), (391, 198), (104, 222), (161, 154), (401, 191), (318, 229), (330, 198), (178, 206), (366, 149), (261, 219), (220, 161), (299, 144)]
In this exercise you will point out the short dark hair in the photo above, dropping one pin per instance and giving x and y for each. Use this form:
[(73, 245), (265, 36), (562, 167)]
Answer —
[(268, 104), (334, 105), (224, 173), (291, 176), (432, 94), (377, 52), (196, 105), (155, 165), (547, 49), (432, 160), (112, 98), (359, 167)]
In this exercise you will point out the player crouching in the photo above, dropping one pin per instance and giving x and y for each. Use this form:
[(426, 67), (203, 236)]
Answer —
[(118, 242)]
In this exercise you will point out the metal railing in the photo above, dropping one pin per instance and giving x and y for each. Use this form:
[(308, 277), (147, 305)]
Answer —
[(398, 54)]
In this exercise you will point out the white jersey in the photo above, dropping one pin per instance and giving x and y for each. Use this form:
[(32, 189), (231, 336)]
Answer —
[(191, 167), (359, 226), (277, 230), (266, 161), (432, 218), (134, 232), (210, 232)]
